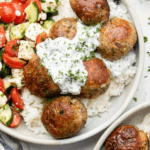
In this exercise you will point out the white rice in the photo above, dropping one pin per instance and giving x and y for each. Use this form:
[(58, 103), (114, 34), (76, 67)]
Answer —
[(65, 10), (119, 11), (32, 113)]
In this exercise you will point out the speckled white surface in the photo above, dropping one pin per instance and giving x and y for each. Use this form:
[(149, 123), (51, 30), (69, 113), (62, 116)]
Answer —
[(143, 92)]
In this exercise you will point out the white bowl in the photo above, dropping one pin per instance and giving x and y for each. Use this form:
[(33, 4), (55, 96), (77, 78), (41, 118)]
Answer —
[(132, 117), (98, 124)]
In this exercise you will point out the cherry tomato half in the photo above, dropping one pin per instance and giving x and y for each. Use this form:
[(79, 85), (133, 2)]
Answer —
[(41, 37), (7, 12), (16, 118), (28, 2), (11, 48), (16, 98), (19, 6), (2, 36), (13, 62), (2, 87)]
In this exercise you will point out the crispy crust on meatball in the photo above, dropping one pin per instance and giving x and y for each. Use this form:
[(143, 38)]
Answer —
[(65, 27), (127, 137), (64, 117), (40, 83), (37, 79), (98, 78), (117, 38), (91, 12)]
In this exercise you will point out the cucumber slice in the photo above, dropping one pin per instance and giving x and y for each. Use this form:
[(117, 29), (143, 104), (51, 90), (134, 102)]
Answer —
[(6, 115), (18, 31), (3, 99), (48, 23), (32, 12), (49, 6)]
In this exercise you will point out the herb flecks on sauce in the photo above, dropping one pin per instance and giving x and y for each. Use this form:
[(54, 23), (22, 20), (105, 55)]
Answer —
[(63, 58)]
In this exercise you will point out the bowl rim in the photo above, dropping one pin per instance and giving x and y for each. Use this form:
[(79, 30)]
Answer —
[(103, 138), (112, 119)]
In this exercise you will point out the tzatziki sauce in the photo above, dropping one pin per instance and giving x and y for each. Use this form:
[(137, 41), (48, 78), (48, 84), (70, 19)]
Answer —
[(63, 58)]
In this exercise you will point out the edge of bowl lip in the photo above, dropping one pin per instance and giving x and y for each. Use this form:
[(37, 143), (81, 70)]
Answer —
[(103, 138), (106, 124)]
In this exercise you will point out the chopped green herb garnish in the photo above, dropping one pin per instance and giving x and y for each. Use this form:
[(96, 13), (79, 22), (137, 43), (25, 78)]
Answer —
[(145, 39), (135, 99)]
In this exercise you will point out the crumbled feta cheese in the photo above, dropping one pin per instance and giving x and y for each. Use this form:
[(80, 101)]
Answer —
[(3, 99), (49, 5), (33, 30), (42, 16), (17, 73), (18, 82), (6, 82), (17, 13), (0, 66), (7, 35), (26, 49)]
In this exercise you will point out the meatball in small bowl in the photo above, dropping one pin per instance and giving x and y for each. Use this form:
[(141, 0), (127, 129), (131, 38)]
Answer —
[(91, 12), (117, 38), (98, 78), (64, 117), (127, 137)]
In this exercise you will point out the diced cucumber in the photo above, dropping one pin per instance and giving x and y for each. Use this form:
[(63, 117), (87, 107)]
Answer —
[(32, 12), (49, 6), (3, 99), (6, 115), (48, 23), (18, 31), (6, 82)]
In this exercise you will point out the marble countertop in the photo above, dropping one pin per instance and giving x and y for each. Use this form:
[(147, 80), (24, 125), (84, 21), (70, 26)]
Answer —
[(142, 9)]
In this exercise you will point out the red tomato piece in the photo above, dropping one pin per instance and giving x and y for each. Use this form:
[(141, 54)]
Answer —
[(7, 12), (28, 2), (41, 37), (2, 36), (2, 87), (16, 98), (16, 118), (19, 6), (11, 48), (13, 62)]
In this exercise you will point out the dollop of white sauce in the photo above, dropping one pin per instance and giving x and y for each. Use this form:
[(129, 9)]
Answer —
[(63, 58), (17, 13)]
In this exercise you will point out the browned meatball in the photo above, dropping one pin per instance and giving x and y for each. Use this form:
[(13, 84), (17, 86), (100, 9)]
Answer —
[(117, 38), (98, 78), (65, 27), (64, 117), (37, 79), (91, 12), (127, 137), (40, 83)]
